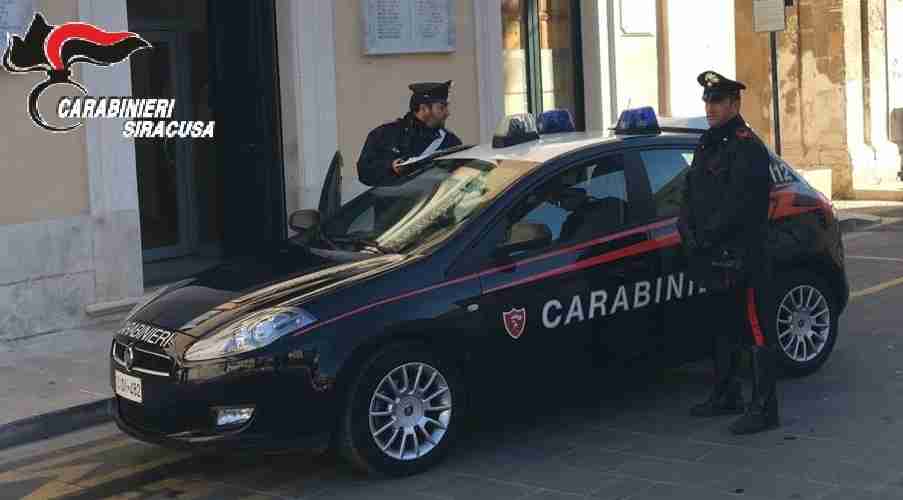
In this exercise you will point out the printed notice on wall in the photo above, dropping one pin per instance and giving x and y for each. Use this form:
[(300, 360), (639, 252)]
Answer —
[(408, 26), (15, 17), (768, 15)]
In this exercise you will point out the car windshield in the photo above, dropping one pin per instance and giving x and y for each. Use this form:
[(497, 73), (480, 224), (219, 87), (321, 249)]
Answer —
[(429, 204)]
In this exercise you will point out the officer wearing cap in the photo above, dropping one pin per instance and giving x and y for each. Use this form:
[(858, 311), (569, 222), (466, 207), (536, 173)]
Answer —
[(419, 132), (723, 226)]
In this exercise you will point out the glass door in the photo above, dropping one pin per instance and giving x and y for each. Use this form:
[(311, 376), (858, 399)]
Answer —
[(541, 51), (164, 165)]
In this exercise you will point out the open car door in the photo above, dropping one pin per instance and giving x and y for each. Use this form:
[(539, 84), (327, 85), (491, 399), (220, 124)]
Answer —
[(331, 195)]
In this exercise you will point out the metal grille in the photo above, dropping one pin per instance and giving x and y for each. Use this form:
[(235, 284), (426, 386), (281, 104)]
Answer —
[(142, 360)]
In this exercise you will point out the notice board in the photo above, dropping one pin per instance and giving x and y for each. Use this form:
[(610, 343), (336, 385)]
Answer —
[(408, 26)]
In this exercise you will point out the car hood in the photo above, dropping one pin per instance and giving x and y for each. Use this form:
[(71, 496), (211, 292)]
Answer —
[(218, 296)]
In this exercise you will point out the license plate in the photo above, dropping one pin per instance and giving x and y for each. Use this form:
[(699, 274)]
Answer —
[(128, 387)]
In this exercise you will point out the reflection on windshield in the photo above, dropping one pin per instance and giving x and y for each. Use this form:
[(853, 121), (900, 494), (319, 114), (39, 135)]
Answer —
[(431, 204)]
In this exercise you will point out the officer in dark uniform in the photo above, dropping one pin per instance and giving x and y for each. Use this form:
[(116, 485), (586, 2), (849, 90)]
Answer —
[(723, 225), (421, 131)]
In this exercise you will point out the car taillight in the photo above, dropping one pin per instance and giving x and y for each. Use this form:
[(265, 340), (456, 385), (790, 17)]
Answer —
[(820, 201)]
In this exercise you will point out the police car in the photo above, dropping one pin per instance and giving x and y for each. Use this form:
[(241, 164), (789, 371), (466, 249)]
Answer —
[(374, 327)]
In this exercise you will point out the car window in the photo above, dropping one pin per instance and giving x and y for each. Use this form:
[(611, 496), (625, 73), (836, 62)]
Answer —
[(667, 169), (582, 203)]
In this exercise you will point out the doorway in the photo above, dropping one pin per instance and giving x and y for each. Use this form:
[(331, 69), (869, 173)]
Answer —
[(188, 188), (542, 53)]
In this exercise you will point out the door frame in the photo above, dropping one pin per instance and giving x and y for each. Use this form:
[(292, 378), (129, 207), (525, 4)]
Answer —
[(533, 54), (182, 149)]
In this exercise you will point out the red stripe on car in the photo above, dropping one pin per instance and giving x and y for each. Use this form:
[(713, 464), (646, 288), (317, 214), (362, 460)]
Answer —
[(637, 249), (646, 246)]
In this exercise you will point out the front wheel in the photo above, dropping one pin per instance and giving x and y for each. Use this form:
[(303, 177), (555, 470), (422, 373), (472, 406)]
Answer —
[(805, 322), (403, 412)]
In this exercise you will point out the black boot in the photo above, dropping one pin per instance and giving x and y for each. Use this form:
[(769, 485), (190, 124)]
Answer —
[(762, 413), (726, 399), (727, 395)]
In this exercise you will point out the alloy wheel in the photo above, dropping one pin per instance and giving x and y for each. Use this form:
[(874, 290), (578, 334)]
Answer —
[(803, 323), (410, 411)]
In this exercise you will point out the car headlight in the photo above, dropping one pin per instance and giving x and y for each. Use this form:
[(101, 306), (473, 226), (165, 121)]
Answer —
[(154, 296), (251, 332)]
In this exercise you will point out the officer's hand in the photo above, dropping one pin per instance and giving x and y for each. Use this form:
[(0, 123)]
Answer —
[(396, 166)]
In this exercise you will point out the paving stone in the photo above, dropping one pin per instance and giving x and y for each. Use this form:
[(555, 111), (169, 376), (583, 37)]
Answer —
[(620, 488), (668, 448), (592, 457), (609, 438), (691, 474), (845, 493), (554, 495), (757, 484), (853, 475), (681, 492), (553, 474), (465, 487)]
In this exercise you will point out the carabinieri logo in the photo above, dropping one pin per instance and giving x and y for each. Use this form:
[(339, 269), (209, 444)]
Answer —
[(54, 49)]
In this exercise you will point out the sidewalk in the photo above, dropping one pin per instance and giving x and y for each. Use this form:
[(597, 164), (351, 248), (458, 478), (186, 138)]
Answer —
[(59, 382), (54, 383)]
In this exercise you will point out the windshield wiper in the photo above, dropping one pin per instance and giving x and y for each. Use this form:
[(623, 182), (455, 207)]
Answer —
[(366, 242)]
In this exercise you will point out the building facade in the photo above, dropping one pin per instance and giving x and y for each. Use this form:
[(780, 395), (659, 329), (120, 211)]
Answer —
[(90, 219)]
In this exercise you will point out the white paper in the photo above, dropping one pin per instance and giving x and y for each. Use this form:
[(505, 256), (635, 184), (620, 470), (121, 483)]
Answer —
[(408, 26), (15, 17), (769, 15)]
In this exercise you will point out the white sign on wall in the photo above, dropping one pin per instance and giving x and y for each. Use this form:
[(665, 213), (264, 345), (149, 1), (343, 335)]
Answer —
[(15, 17), (638, 17), (408, 26), (769, 15)]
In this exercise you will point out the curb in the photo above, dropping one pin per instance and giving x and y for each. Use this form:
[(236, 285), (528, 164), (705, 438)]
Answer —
[(48, 425)]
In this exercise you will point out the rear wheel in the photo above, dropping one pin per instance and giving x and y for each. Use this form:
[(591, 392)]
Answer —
[(805, 321), (402, 413)]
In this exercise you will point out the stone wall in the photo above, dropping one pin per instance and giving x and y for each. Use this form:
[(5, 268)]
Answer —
[(821, 85), (69, 225)]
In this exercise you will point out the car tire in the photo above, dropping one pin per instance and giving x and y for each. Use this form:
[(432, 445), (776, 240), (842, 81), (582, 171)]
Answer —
[(360, 440), (791, 291)]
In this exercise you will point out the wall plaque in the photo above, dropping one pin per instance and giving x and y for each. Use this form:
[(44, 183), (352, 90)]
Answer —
[(408, 26)]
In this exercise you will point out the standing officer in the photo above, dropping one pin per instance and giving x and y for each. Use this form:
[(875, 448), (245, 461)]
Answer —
[(419, 132), (723, 225)]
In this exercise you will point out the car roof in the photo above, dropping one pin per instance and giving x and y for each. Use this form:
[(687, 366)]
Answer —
[(543, 149), (551, 146)]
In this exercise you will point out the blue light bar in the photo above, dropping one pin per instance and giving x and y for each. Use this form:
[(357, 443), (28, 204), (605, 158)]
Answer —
[(638, 121), (515, 129), (555, 121)]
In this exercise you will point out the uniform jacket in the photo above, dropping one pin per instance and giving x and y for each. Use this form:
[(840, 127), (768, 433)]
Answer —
[(400, 139), (726, 199)]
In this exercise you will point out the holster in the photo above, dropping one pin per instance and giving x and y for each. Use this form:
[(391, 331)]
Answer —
[(718, 269)]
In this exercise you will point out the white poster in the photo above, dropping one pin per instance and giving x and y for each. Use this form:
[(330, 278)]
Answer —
[(769, 15), (15, 17), (408, 26)]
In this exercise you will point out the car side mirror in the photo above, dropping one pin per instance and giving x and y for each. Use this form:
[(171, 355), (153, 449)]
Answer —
[(525, 236), (302, 220)]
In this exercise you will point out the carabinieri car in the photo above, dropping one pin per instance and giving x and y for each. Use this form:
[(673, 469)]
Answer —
[(372, 327)]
